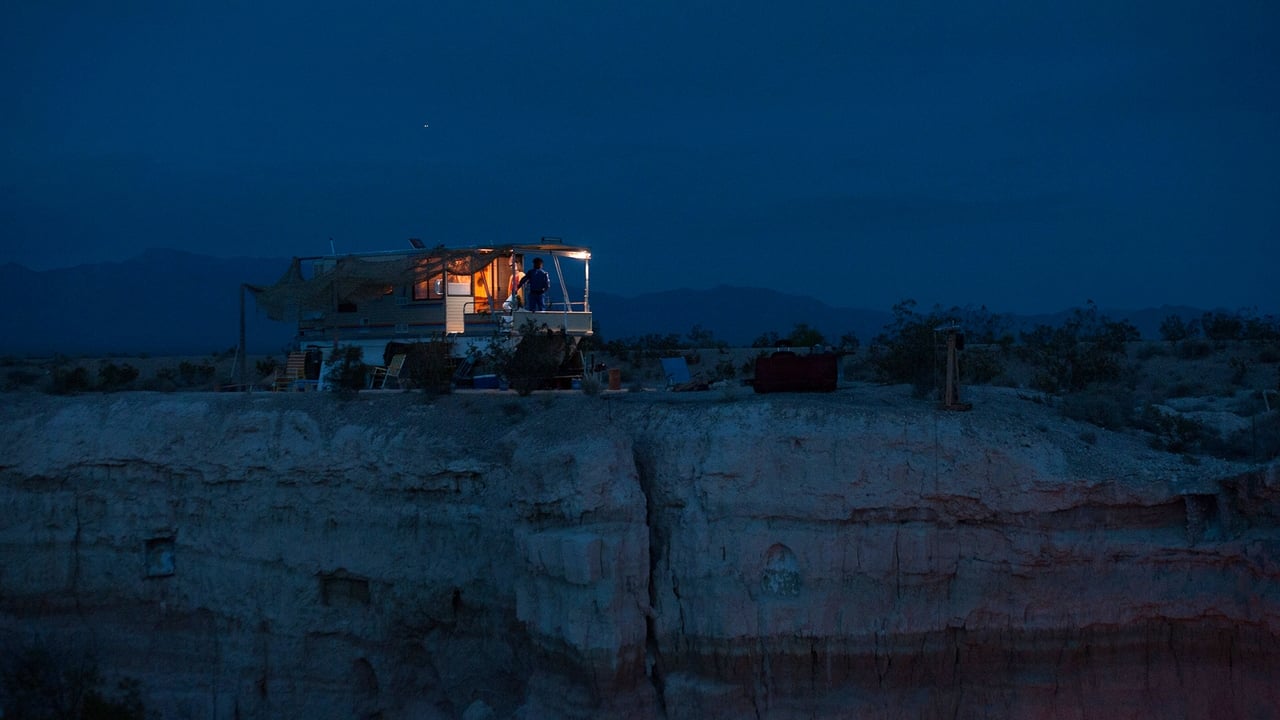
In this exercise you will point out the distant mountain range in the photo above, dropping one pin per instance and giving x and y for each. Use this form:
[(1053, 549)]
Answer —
[(160, 302), (173, 302)]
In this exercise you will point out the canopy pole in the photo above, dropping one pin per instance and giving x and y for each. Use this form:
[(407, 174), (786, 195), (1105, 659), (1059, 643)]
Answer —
[(241, 358)]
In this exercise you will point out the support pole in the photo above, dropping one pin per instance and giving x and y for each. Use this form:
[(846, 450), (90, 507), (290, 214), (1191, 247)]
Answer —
[(241, 357), (951, 392)]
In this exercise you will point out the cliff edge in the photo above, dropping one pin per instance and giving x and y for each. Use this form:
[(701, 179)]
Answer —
[(638, 555)]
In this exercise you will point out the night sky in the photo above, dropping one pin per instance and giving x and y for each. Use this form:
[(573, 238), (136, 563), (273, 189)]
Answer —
[(1024, 155)]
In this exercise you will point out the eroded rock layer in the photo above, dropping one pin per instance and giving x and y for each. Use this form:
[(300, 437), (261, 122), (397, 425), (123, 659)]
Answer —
[(643, 556)]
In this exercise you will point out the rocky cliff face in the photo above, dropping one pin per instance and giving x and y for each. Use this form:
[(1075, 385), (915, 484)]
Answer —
[(640, 555)]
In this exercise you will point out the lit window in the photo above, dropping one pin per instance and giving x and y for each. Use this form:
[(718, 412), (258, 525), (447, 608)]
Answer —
[(427, 289)]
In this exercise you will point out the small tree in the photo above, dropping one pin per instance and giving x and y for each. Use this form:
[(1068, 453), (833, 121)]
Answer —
[(849, 342), (537, 359), (265, 366), (1087, 348), (1173, 329), (115, 377), (906, 351), (1265, 329), (67, 381), (193, 374), (428, 366), (1221, 326), (349, 371), (700, 337), (804, 336), (769, 339)]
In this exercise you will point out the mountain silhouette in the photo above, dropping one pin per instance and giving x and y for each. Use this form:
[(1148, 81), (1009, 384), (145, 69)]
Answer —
[(160, 302), (174, 302)]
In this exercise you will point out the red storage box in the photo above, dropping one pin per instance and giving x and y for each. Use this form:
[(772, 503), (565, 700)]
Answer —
[(788, 372)]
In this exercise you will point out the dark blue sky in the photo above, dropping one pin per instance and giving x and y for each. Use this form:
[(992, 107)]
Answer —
[(1016, 154)]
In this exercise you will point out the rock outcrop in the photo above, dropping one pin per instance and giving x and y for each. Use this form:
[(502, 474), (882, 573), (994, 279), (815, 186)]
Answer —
[(634, 556)]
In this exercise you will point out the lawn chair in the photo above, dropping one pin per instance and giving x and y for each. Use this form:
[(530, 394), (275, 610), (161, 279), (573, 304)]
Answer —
[(294, 375), (380, 375)]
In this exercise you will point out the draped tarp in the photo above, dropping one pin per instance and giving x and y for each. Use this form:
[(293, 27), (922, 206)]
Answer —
[(353, 279)]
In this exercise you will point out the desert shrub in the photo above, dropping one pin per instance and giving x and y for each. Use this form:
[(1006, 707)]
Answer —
[(1220, 326), (348, 371), (1087, 348), (266, 366), (724, 370), (1260, 329), (849, 343), (1146, 351), (165, 380), (115, 377), (19, 378), (66, 381), (652, 345), (1194, 349), (700, 337), (494, 356), (1239, 369), (1174, 329), (537, 358), (767, 340), (910, 350), (906, 352), (984, 327), (191, 374), (1101, 406), (429, 366), (1172, 432), (592, 386), (802, 335), (980, 366)]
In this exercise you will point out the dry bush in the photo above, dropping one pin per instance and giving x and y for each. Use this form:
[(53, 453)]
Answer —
[(1174, 433), (1101, 406)]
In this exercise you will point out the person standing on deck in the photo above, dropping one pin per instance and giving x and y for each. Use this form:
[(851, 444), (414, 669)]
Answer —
[(513, 301), (539, 282)]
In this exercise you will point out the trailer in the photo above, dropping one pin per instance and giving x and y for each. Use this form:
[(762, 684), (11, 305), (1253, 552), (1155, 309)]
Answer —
[(467, 297)]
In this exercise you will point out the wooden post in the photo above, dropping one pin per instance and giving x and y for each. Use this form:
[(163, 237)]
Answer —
[(949, 396), (951, 392), (242, 358)]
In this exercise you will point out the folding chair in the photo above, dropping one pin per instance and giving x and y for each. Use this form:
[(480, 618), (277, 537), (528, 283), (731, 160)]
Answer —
[(381, 375), (295, 372)]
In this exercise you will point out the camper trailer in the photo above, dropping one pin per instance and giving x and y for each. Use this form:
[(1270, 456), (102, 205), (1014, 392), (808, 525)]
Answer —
[(468, 296)]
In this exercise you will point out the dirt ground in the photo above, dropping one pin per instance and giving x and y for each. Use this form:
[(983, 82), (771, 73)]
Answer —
[(1221, 405)]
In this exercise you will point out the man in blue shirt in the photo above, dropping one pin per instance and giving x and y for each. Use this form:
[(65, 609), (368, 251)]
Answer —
[(539, 282)]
